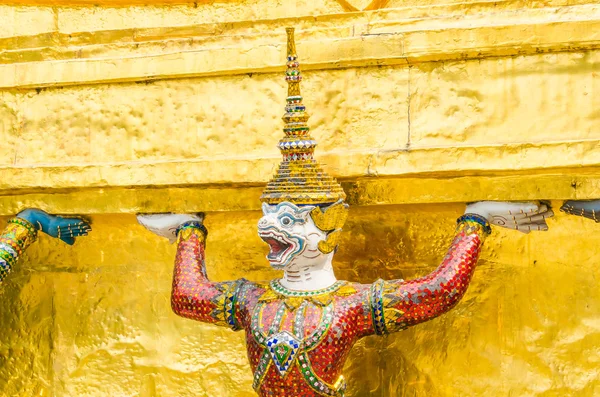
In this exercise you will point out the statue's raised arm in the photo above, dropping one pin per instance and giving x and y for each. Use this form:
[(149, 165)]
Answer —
[(193, 295), (398, 304)]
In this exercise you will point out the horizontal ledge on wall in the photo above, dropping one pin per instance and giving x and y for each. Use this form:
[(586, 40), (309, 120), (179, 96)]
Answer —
[(414, 162), (558, 170), (585, 184), (372, 42)]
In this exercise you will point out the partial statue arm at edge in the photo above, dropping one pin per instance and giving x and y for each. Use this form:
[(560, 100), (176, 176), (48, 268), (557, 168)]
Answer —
[(18, 235), (586, 208), (22, 231)]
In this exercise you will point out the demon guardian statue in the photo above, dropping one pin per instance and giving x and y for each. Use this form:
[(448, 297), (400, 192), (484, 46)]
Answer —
[(300, 328)]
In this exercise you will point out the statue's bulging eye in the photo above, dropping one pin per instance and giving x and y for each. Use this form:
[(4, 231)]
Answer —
[(288, 220)]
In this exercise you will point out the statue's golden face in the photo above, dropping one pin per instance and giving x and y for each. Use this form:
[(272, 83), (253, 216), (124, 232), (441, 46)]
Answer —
[(292, 235)]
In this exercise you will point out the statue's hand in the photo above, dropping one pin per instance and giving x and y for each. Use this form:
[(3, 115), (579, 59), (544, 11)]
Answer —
[(165, 225), (587, 208), (64, 228), (524, 217)]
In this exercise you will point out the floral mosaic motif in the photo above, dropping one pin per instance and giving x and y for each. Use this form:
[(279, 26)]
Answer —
[(193, 295), (283, 347)]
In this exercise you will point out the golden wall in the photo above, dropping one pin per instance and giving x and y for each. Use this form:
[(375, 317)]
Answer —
[(112, 107)]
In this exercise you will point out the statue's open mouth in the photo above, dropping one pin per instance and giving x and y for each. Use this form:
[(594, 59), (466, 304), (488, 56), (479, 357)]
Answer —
[(278, 246), (282, 246)]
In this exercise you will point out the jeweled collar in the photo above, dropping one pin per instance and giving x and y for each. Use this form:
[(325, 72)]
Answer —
[(281, 290), (293, 299)]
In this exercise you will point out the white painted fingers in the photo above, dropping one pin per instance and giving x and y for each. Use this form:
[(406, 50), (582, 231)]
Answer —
[(526, 221), (522, 216)]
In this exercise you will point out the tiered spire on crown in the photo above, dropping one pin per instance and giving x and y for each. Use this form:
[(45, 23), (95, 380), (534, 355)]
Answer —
[(299, 178)]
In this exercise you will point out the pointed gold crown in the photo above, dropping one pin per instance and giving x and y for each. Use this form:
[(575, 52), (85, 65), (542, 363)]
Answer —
[(299, 178)]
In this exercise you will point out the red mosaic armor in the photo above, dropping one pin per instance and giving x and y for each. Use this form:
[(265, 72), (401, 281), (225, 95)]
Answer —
[(297, 341)]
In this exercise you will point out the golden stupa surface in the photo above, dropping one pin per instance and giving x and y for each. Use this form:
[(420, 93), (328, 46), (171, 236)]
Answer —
[(299, 178)]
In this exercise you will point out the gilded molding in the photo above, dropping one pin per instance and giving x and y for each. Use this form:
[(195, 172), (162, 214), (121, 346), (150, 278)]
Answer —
[(559, 185), (508, 159), (551, 184), (358, 40)]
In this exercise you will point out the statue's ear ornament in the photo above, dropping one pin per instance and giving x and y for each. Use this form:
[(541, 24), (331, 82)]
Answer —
[(331, 220), (330, 243)]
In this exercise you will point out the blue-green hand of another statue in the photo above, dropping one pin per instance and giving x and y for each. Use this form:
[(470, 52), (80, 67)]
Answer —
[(64, 228), (587, 208)]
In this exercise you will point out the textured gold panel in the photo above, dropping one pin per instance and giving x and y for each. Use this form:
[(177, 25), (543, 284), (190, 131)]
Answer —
[(331, 42), (493, 100), (87, 32), (528, 325), (128, 201), (478, 4), (97, 3), (10, 123), (108, 18), (122, 134), (573, 158), (351, 109), (27, 337), (25, 21), (348, 5)]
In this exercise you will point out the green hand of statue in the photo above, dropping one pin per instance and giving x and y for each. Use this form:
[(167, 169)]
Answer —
[(586, 208), (65, 229)]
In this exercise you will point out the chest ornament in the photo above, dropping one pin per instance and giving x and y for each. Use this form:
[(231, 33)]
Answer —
[(283, 348), (293, 299)]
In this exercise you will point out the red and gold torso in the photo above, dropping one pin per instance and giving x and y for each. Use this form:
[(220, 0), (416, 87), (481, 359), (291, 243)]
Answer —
[(298, 341)]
